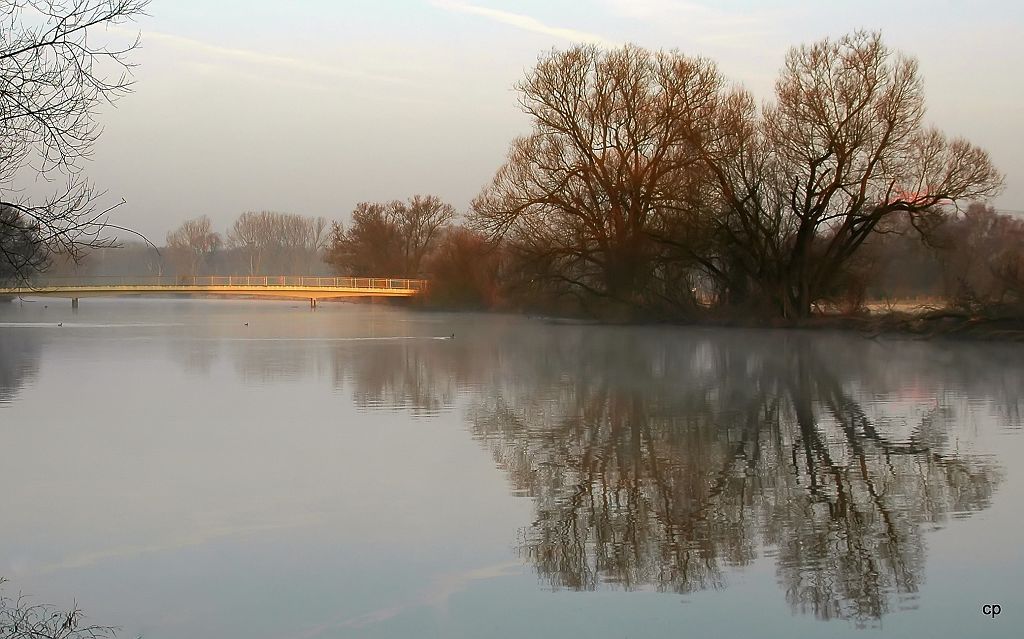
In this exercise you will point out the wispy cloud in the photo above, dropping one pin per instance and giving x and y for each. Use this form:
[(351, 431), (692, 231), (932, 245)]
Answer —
[(281, 62), (659, 9), (703, 23), (524, 22)]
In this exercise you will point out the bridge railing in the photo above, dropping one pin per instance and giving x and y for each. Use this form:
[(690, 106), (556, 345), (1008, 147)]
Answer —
[(177, 281)]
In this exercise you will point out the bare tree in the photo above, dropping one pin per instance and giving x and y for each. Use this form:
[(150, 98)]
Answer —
[(299, 240), (319, 230), (805, 181), (608, 162), (419, 223), (193, 243), (372, 244), (280, 242), (389, 239), (52, 82), (249, 235)]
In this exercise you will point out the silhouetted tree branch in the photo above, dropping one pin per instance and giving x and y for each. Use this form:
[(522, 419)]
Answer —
[(22, 619), (54, 77)]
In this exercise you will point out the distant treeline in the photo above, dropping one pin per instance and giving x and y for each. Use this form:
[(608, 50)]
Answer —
[(970, 259), (257, 243)]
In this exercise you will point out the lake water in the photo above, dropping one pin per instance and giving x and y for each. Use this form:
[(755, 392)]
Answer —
[(349, 472)]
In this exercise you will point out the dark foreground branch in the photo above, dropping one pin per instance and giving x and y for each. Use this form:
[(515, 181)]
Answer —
[(21, 619)]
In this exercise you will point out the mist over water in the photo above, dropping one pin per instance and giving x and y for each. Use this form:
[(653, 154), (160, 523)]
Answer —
[(216, 468)]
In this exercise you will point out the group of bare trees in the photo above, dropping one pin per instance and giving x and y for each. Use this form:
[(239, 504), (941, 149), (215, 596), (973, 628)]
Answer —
[(982, 258), (650, 181), (258, 243), (389, 239), (974, 260), (278, 242), (393, 239), (192, 244)]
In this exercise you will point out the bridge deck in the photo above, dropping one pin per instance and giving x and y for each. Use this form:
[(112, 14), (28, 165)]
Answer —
[(246, 285)]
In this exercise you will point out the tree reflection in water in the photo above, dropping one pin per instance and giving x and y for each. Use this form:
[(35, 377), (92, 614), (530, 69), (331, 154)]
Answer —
[(19, 361), (661, 464), (662, 458)]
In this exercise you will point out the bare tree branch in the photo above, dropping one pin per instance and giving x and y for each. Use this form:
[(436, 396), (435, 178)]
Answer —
[(54, 77)]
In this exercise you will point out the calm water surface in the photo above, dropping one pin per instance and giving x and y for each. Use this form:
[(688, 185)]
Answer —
[(348, 472)]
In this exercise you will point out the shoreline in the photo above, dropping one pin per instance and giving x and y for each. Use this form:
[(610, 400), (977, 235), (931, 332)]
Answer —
[(945, 324), (929, 324), (923, 324)]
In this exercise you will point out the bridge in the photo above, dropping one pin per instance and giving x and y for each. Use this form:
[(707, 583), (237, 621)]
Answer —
[(280, 286)]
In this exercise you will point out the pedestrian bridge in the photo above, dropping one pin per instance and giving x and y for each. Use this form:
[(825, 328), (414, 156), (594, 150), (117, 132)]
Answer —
[(281, 286)]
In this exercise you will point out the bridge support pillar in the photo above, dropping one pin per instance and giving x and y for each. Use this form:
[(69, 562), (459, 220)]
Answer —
[(74, 303)]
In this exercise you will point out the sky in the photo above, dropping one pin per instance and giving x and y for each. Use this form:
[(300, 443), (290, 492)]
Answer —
[(310, 106)]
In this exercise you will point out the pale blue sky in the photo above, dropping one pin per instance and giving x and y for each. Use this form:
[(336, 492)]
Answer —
[(310, 106)]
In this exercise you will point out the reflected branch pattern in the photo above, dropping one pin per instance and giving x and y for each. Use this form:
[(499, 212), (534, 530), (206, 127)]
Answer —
[(669, 459), (663, 468)]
